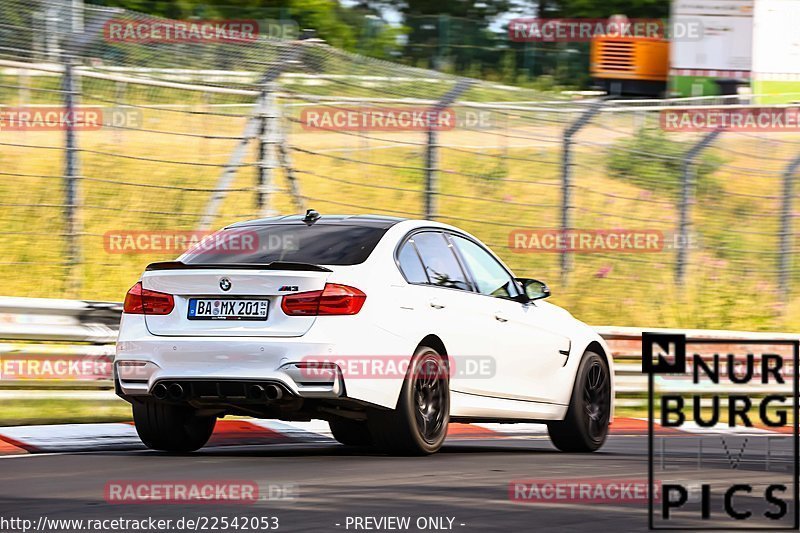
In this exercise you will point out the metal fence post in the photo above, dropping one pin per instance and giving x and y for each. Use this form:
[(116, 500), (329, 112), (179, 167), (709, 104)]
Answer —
[(52, 45), (71, 177), (229, 173), (24, 87), (285, 161), (431, 167), (687, 198), (566, 178), (432, 147), (267, 141), (253, 128), (785, 256)]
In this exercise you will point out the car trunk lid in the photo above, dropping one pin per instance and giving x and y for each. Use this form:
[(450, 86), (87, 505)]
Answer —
[(231, 285)]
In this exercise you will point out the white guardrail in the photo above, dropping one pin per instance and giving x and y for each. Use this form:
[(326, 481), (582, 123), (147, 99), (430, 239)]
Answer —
[(71, 345), (60, 343)]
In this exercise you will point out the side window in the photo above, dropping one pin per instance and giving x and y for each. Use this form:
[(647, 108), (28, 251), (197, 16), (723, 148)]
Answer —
[(410, 265), (440, 262), (489, 275)]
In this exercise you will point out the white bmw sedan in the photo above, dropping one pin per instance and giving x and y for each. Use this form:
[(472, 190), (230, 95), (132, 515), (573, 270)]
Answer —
[(389, 329)]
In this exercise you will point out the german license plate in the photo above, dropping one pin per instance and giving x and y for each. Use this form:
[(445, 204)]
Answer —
[(227, 309)]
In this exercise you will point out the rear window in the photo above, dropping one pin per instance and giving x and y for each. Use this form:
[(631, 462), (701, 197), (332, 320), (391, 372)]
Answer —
[(318, 244)]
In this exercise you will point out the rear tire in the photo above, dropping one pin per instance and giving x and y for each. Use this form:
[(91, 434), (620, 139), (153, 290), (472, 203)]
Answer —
[(418, 424), (350, 432), (585, 427), (171, 428)]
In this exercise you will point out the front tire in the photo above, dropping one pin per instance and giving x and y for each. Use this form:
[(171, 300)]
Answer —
[(585, 427), (418, 425), (171, 428)]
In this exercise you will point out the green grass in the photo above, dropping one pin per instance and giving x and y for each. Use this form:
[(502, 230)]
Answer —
[(44, 411)]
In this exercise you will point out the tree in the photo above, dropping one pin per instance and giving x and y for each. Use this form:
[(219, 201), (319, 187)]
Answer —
[(601, 9), (348, 28), (448, 34)]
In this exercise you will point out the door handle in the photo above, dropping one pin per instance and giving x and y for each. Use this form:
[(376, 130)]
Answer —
[(500, 317), (436, 304)]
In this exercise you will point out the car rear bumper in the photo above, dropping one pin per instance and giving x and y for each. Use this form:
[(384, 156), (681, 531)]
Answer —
[(140, 364), (143, 360)]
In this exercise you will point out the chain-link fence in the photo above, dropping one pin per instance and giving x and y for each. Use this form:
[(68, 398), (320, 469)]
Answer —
[(197, 133)]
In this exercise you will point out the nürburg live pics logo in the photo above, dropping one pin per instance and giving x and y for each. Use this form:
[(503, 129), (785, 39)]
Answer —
[(722, 432)]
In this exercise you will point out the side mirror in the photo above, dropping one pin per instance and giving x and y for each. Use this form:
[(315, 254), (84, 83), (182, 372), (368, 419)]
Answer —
[(534, 289)]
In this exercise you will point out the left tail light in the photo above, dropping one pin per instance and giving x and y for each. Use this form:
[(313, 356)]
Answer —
[(140, 301)]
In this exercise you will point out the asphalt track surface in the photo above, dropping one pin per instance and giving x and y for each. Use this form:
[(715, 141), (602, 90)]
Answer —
[(467, 481)]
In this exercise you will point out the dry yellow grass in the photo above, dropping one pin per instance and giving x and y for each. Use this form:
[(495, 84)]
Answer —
[(491, 183)]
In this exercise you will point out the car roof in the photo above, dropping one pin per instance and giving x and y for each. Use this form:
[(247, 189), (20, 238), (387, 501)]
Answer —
[(376, 221)]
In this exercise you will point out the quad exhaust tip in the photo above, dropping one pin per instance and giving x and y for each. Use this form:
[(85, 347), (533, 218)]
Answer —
[(273, 392), (257, 392), (160, 391), (265, 392), (175, 391)]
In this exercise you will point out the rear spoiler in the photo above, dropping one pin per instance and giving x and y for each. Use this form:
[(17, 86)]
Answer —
[(275, 265)]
